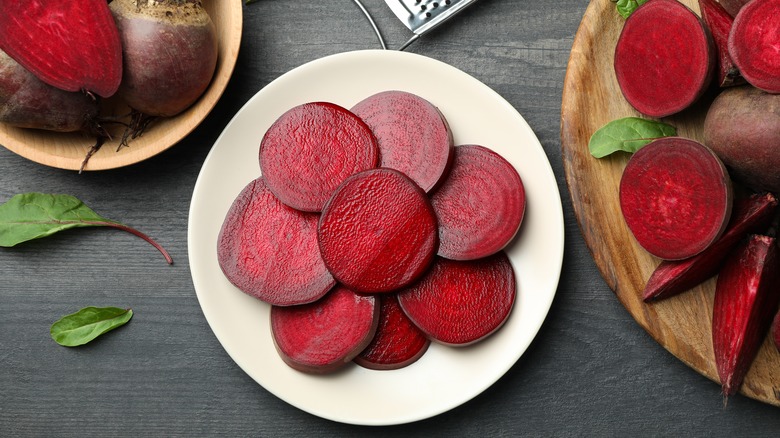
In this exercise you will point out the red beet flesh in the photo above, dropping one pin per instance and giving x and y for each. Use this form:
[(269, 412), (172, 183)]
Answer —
[(311, 149), (71, 45), (323, 336), (397, 342), (269, 250), (414, 137), (676, 197), (664, 58), (754, 44), (378, 232), (753, 214), (719, 22), (480, 205), (746, 298), (461, 302)]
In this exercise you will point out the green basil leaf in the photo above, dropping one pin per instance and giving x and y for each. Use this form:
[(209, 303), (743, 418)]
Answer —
[(626, 7), (87, 324), (628, 134)]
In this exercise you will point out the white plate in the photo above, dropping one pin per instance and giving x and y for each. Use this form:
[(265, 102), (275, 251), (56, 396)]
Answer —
[(444, 377)]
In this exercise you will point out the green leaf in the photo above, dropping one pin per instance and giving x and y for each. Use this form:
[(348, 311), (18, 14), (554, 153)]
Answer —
[(628, 134), (626, 7), (87, 324)]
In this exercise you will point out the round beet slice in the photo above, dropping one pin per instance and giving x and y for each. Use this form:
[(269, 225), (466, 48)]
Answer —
[(270, 251), (461, 302), (754, 44), (413, 135), (676, 197), (664, 58), (397, 342), (311, 149), (480, 205), (378, 232), (325, 335)]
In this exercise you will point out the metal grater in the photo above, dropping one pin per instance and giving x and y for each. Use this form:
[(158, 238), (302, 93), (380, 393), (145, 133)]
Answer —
[(421, 16)]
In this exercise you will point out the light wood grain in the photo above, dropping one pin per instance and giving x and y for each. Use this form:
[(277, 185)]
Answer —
[(591, 98), (67, 150)]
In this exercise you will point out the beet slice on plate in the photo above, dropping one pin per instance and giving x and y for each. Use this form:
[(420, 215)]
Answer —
[(480, 205), (378, 232), (397, 342), (269, 250), (325, 335), (461, 302), (414, 137), (311, 149)]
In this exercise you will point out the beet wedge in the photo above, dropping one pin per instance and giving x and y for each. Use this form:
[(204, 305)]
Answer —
[(754, 44), (72, 45), (719, 22), (751, 215), (269, 250), (414, 137), (311, 149), (480, 206), (746, 298), (397, 342), (459, 303), (324, 336)]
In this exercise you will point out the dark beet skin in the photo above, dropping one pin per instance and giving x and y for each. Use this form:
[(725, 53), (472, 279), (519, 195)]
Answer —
[(664, 58), (397, 342), (461, 302), (753, 44), (676, 197), (776, 330), (269, 250), (378, 232), (324, 336), (414, 137), (311, 149), (480, 206)]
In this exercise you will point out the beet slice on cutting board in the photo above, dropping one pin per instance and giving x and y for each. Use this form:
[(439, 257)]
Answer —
[(754, 44), (325, 335), (413, 135), (397, 342), (269, 250), (480, 205), (311, 149), (461, 302), (676, 197), (719, 22), (378, 231)]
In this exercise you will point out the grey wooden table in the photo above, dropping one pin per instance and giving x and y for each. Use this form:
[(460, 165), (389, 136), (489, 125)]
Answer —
[(591, 371)]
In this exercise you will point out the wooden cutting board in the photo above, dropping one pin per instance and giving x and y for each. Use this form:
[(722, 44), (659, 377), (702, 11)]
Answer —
[(591, 98)]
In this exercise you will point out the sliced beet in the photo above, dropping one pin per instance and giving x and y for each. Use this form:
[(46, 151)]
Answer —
[(752, 214), (754, 44), (676, 197), (378, 232), (414, 137), (397, 342), (325, 335), (72, 45), (664, 58), (311, 149), (719, 22), (480, 205), (461, 302), (269, 250), (746, 297)]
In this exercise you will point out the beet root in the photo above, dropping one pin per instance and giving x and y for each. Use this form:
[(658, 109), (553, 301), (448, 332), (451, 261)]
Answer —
[(751, 215), (311, 149), (732, 6), (414, 137), (661, 73), (323, 336), (754, 44), (73, 45), (269, 250), (719, 22), (397, 342), (746, 299), (480, 206), (676, 197), (378, 231), (462, 302)]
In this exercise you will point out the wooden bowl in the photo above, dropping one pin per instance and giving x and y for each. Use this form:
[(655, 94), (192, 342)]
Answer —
[(67, 150)]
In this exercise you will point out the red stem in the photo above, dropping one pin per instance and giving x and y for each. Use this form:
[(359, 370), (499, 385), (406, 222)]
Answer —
[(136, 233)]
